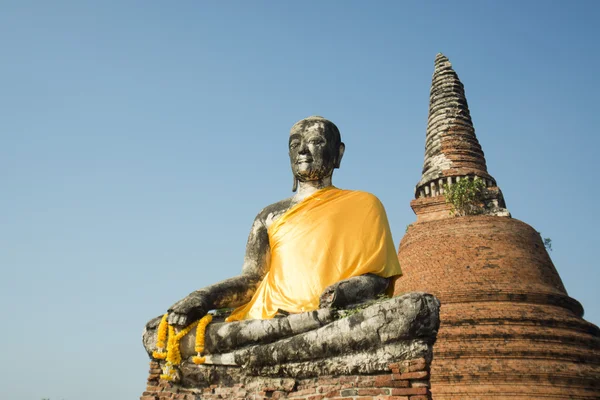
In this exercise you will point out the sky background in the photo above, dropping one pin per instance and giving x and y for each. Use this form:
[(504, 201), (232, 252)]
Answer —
[(139, 139)]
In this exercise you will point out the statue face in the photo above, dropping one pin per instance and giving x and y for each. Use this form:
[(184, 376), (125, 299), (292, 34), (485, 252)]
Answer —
[(311, 153)]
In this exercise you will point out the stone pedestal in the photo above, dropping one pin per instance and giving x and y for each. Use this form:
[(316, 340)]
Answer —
[(380, 351), (405, 380)]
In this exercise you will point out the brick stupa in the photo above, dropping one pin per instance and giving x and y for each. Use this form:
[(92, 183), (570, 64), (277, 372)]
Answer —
[(508, 330)]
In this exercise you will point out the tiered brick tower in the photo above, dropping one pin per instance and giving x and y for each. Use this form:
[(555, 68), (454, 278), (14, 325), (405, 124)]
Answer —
[(508, 328)]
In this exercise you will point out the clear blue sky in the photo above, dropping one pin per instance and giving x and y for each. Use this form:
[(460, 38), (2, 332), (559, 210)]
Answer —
[(139, 139)]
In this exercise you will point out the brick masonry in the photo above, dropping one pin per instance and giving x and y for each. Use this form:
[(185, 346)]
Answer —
[(406, 380), (508, 328), (451, 146)]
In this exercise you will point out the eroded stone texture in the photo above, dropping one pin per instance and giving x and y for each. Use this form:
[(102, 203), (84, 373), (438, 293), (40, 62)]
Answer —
[(353, 291), (403, 380), (365, 342), (452, 151), (381, 351), (400, 328), (451, 147), (222, 337)]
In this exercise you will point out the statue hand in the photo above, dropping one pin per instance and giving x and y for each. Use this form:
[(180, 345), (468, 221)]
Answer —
[(328, 296), (355, 290), (188, 310), (153, 323)]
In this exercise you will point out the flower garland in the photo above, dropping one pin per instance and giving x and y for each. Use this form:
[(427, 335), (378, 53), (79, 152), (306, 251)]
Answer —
[(199, 345), (161, 339), (172, 355)]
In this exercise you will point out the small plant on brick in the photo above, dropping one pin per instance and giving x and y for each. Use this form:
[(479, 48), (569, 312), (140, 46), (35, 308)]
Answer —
[(466, 197)]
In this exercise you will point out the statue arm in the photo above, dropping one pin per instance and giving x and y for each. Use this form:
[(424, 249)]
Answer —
[(232, 292), (355, 290)]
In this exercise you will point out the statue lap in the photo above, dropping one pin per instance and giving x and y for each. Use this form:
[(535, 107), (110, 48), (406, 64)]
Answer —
[(360, 340)]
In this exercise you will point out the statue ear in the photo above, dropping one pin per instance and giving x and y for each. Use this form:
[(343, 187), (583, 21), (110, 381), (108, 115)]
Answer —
[(295, 185), (340, 155)]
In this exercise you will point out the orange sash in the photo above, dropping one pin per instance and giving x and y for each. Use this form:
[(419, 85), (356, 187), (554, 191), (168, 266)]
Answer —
[(330, 236)]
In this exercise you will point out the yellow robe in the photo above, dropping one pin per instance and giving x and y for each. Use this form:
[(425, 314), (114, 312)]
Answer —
[(330, 236)]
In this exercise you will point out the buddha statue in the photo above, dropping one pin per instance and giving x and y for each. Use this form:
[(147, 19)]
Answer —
[(307, 257), (334, 247)]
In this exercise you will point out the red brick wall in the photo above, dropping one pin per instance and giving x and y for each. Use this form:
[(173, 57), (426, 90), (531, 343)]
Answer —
[(508, 329), (471, 256), (431, 208), (407, 380)]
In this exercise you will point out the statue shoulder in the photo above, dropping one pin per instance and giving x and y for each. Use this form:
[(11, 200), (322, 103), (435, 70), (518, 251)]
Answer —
[(273, 211), (367, 197)]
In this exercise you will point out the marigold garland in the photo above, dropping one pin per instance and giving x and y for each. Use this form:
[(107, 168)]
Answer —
[(200, 334), (161, 339), (172, 355)]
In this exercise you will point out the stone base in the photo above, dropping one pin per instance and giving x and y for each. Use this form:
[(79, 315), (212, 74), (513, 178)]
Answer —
[(382, 351), (405, 380)]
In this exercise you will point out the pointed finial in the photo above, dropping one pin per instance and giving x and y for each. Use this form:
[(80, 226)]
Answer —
[(440, 58)]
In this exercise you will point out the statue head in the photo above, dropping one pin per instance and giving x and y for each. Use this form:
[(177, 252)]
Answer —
[(316, 149)]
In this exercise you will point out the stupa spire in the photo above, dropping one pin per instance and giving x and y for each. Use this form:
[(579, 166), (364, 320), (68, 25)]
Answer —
[(451, 147), (508, 329), (452, 151)]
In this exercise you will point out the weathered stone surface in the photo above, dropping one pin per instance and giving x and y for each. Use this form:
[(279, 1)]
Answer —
[(451, 147), (356, 362), (223, 337), (212, 384), (352, 291), (365, 342), (452, 151)]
